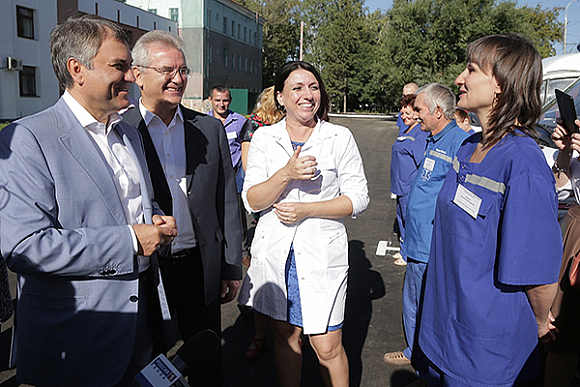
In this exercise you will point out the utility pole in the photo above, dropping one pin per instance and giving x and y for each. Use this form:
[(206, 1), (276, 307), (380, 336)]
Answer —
[(566, 24), (302, 36)]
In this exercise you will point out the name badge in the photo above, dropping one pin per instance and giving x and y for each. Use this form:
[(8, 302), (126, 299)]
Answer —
[(429, 164), (232, 135), (467, 201)]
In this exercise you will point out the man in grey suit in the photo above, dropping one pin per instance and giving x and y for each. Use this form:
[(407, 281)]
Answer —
[(193, 179), (78, 222)]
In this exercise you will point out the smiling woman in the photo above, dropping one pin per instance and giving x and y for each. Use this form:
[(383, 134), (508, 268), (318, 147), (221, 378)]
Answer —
[(304, 174)]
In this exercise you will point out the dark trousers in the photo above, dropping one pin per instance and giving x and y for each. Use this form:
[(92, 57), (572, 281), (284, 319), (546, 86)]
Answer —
[(245, 242), (184, 284), (142, 352)]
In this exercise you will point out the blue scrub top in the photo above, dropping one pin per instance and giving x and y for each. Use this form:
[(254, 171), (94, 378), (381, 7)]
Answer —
[(477, 325), (435, 165), (406, 155)]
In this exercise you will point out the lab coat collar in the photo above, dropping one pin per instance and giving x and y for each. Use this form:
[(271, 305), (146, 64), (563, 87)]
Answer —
[(280, 134)]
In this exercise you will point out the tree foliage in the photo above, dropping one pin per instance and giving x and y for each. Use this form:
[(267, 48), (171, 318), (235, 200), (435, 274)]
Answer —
[(343, 36), (365, 58), (428, 38), (281, 33)]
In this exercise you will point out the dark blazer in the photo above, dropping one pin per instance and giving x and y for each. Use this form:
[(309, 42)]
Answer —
[(211, 191)]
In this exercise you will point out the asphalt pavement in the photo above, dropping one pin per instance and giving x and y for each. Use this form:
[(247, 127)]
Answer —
[(373, 323)]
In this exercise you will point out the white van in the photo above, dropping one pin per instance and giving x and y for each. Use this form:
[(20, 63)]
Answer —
[(559, 72)]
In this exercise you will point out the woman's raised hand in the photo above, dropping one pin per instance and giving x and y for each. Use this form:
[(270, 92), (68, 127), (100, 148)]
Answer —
[(301, 168)]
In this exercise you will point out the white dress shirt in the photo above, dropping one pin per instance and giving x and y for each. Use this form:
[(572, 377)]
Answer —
[(169, 142), (124, 168)]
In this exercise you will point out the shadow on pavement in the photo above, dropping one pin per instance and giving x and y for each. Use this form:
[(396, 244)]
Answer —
[(5, 339), (364, 286), (402, 378), (239, 372)]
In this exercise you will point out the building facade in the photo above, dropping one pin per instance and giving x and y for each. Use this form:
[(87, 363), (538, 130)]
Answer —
[(27, 81), (223, 44)]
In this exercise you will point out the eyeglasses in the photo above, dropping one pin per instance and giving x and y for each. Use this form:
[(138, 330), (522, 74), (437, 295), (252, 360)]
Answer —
[(170, 73)]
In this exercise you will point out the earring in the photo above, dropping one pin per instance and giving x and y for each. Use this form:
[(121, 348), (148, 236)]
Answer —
[(282, 109)]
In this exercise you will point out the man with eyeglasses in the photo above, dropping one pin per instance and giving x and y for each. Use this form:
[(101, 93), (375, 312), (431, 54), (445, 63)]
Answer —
[(189, 161)]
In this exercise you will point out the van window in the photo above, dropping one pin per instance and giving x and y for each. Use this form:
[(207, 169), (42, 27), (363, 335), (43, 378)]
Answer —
[(547, 93)]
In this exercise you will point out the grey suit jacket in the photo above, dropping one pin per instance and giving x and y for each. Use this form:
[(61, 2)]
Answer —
[(64, 232), (211, 191)]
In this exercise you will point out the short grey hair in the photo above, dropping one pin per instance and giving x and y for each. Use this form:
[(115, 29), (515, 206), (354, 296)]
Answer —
[(437, 94), (80, 37), (141, 49)]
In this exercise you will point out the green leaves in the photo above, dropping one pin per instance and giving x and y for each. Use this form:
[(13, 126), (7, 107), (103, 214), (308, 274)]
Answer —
[(366, 58)]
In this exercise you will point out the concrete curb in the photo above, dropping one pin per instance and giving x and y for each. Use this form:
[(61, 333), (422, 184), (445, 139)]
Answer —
[(354, 115)]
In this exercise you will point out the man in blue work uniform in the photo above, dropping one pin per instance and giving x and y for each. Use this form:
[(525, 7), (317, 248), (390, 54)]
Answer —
[(221, 98), (435, 105)]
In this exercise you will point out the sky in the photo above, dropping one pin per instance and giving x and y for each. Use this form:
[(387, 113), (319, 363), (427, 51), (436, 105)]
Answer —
[(573, 16)]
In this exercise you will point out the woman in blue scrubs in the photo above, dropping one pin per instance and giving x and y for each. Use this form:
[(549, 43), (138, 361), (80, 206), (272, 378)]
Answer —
[(406, 156), (496, 246)]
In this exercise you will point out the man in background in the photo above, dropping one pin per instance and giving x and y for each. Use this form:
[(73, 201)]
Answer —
[(221, 98), (435, 105)]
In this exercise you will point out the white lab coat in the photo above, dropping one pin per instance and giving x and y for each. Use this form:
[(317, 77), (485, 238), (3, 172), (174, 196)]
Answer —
[(320, 245)]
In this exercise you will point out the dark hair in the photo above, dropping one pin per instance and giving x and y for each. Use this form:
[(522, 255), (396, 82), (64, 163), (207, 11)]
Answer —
[(517, 67), (461, 113), (220, 89), (80, 37), (407, 100), (283, 74)]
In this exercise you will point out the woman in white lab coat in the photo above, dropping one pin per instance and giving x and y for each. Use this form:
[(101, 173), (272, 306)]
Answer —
[(304, 174)]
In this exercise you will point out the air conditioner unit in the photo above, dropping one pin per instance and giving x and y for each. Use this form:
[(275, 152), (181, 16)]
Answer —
[(13, 64)]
